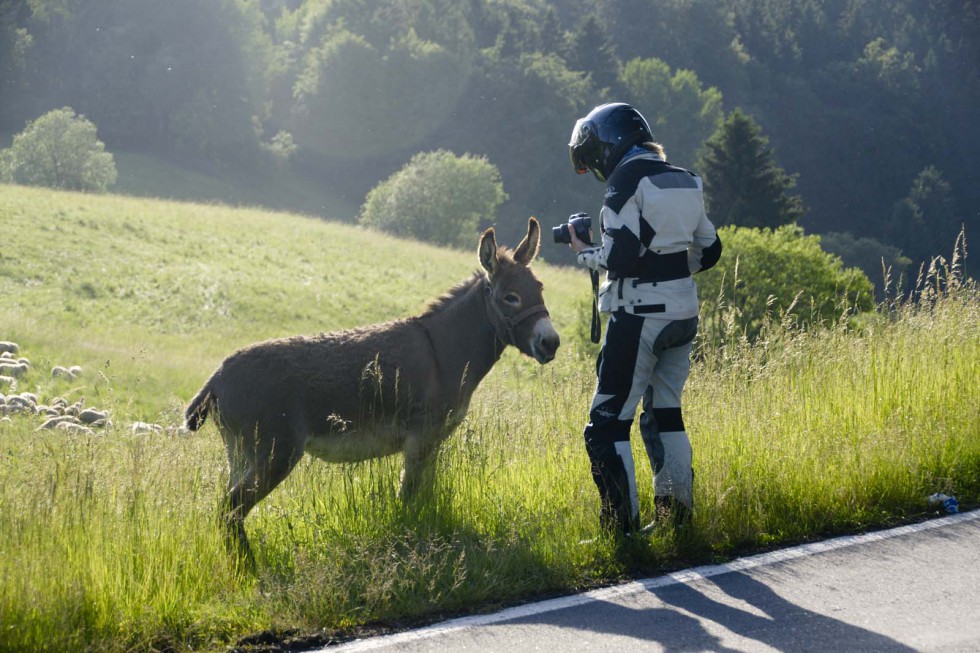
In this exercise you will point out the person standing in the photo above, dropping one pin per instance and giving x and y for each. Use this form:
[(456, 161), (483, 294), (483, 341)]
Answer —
[(655, 235)]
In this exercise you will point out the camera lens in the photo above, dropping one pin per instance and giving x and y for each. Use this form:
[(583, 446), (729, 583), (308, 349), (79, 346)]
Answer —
[(561, 234)]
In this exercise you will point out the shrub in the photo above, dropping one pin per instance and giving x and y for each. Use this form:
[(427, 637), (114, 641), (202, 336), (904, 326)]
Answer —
[(60, 150), (436, 197), (764, 275), (776, 273)]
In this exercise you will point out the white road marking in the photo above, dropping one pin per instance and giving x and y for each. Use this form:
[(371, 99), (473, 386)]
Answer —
[(645, 585)]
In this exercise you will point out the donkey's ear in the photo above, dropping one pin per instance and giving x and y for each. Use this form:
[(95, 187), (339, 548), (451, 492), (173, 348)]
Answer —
[(529, 247), (488, 252)]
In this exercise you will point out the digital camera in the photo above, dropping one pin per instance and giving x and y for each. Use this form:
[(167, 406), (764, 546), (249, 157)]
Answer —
[(581, 223)]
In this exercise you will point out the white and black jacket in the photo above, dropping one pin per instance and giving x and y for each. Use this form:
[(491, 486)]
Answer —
[(655, 234)]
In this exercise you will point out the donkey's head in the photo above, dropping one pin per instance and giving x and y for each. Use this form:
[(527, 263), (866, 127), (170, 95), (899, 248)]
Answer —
[(515, 305)]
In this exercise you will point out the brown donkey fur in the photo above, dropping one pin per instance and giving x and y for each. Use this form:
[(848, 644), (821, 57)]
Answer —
[(373, 391)]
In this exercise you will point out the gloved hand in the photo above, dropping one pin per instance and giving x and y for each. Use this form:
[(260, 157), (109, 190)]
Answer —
[(580, 226)]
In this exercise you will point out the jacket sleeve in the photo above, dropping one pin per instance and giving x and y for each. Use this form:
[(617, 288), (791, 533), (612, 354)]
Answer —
[(620, 226), (705, 250)]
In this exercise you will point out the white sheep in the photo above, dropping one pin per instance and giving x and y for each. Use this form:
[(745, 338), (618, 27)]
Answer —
[(145, 428), (91, 416), (17, 404), (53, 422), (13, 369), (21, 400), (74, 428), (6, 346), (72, 372), (74, 409)]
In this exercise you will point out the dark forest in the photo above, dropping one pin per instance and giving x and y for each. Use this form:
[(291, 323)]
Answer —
[(870, 107)]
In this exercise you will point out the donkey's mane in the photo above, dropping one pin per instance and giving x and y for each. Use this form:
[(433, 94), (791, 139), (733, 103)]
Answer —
[(504, 255), (454, 293)]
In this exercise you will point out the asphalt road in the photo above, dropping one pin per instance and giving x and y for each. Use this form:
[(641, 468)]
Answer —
[(914, 588)]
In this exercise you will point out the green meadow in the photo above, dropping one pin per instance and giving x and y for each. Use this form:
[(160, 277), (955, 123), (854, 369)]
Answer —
[(109, 542)]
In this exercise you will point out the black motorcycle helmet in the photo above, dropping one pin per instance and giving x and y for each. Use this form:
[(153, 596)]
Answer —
[(600, 139)]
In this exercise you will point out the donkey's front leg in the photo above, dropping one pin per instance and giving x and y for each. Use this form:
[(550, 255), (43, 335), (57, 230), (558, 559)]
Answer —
[(418, 473)]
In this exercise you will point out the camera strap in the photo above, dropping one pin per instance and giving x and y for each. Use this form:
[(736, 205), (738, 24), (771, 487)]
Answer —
[(596, 335)]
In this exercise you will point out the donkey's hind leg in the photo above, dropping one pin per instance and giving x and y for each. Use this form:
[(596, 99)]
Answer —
[(252, 476)]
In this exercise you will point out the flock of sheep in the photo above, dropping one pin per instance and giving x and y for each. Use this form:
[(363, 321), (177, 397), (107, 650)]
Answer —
[(58, 413)]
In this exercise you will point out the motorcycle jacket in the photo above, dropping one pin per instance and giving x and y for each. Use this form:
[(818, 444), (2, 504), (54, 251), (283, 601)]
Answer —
[(655, 235)]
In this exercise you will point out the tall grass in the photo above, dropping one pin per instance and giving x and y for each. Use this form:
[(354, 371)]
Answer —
[(846, 427), (111, 542)]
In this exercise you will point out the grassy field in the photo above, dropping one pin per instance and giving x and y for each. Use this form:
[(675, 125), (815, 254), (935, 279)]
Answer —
[(109, 542)]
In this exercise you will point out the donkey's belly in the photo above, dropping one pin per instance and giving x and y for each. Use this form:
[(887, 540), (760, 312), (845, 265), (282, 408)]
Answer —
[(357, 445)]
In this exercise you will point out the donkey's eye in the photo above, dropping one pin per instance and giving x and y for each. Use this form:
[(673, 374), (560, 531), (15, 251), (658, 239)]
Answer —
[(513, 299)]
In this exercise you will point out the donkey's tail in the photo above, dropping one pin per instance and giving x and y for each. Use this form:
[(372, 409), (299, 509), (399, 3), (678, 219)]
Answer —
[(197, 410)]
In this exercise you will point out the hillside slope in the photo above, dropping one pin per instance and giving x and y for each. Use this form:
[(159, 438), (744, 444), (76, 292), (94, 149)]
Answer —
[(143, 175), (155, 293)]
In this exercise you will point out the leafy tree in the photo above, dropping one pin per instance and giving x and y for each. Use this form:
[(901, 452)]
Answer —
[(280, 149), (743, 184), (925, 223), (767, 272), (520, 111), (436, 197), (446, 22), (894, 69), (177, 77), (60, 150), (590, 50), (871, 256), (552, 36), (16, 46), (687, 34), (790, 36), (681, 112), (486, 23), (354, 101)]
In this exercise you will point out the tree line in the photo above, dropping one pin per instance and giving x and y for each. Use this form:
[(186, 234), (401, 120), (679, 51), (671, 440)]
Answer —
[(861, 113)]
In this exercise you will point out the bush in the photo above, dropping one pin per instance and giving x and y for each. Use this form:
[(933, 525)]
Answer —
[(436, 197), (764, 275), (776, 274), (60, 150)]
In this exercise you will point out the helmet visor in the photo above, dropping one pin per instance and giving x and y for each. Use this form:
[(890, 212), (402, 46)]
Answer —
[(578, 145)]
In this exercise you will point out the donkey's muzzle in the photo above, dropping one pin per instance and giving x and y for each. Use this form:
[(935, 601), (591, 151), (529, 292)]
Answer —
[(545, 341)]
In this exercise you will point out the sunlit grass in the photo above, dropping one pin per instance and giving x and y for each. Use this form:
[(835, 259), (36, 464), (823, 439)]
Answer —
[(111, 543)]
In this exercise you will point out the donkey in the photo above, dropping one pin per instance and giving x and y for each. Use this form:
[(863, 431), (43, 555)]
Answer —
[(372, 391)]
